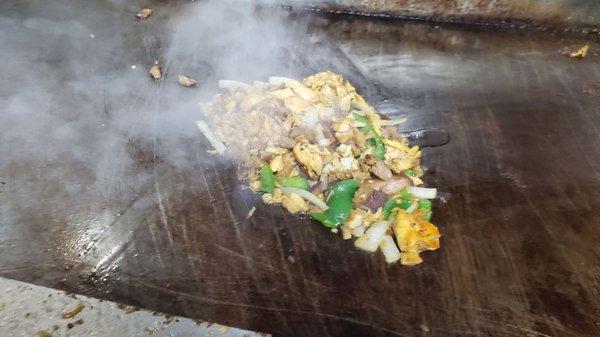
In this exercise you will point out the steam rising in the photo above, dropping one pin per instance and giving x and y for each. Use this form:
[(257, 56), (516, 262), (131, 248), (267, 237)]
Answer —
[(73, 103)]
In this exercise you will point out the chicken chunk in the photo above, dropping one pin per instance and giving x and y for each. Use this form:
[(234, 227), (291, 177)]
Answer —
[(310, 157), (415, 235), (294, 203)]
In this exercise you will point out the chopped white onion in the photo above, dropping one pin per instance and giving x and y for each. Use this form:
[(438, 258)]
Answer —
[(394, 121), (232, 85), (346, 162), (278, 81), (358, 231), (311, 118), (370, 241), (306, 195), (422, 192), (212, 138), (328, 113), (325, 177), (389, 249), (319, 132), (324, 181)]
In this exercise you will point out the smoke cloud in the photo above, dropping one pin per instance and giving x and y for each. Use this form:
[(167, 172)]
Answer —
[(76, 91)]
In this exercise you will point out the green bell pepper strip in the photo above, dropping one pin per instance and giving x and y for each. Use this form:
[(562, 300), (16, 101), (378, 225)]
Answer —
[(425, 204), (379, 146), (410, 172), (363, 119), (376, 141), (340, 204), (295, 182), (405, 195), (267, 179), (389, 206)]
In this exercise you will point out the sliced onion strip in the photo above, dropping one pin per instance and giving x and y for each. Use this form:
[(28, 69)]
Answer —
[(306, 195), (422, 192), (389, 249), (212, 138)]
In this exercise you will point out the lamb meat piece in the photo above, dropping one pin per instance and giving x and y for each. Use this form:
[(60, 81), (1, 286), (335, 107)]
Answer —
[(375, 200), (378, 167)]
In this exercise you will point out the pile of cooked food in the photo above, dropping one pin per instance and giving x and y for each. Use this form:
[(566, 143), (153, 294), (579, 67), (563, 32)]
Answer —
[(316, 147)]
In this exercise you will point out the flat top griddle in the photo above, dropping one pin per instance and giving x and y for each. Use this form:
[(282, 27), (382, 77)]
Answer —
[(166, 229)]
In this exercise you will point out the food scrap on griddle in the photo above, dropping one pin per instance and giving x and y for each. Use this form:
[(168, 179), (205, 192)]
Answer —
[(186, 81), (156, 70), (144, 13), (317, 147), (580, 53)]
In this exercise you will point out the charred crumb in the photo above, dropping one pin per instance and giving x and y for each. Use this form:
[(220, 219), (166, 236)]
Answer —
[(73, 324), (156, 70), (144, 13), (186, 81)]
